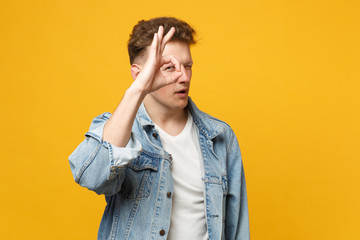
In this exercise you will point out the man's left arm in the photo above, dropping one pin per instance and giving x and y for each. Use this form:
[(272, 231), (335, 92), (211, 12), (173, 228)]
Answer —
[(237, 215)]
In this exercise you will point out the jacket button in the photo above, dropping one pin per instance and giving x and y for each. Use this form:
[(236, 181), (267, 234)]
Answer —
[(168, 194), (155, 135), (171, 158), (162, 232)]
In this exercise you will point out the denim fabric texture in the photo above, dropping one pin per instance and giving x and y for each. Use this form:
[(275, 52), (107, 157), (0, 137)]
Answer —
[(136, 179)]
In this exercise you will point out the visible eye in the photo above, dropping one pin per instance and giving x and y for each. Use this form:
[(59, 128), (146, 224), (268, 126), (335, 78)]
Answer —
[(188, 66), (170, 68)]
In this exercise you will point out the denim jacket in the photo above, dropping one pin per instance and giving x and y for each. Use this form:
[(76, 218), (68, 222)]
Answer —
[(137, 182)]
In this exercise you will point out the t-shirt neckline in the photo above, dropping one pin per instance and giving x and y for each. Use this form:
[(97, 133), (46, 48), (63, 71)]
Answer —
[(185, 132)]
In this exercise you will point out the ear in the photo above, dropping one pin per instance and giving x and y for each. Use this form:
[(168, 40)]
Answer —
[(135, 70)]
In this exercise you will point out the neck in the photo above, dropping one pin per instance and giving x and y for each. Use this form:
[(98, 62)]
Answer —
[(172, 121)]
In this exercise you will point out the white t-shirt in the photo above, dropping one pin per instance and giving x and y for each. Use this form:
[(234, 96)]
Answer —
[(188, 219)]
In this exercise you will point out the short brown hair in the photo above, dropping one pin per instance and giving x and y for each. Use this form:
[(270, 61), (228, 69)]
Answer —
[(143, 33)]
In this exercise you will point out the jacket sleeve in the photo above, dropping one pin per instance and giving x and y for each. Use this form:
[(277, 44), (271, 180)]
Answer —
[(99, 165), (237, 216)]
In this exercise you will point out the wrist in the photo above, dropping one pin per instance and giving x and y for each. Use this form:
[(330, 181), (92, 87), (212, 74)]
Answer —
[(137, 90)]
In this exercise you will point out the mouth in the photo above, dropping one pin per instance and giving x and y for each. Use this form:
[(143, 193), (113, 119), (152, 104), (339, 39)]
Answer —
[(182, 91)]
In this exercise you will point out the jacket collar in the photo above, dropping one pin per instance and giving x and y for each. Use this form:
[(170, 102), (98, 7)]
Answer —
[(208, 125), (143, 116)]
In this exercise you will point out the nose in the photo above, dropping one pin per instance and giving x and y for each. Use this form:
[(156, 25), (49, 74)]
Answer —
[(186, 75)]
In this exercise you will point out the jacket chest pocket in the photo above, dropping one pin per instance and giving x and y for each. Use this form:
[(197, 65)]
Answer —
[(139, 177)]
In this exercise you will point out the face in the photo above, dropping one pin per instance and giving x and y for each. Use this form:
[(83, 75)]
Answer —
[(175, 95)]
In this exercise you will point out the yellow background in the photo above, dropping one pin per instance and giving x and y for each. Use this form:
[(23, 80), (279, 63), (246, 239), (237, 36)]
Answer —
[(283, 74)]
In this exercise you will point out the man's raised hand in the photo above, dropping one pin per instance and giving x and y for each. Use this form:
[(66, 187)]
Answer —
[(151, 77)]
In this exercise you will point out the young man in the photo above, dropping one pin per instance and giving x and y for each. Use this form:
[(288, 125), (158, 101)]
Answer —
[(167, 170)]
